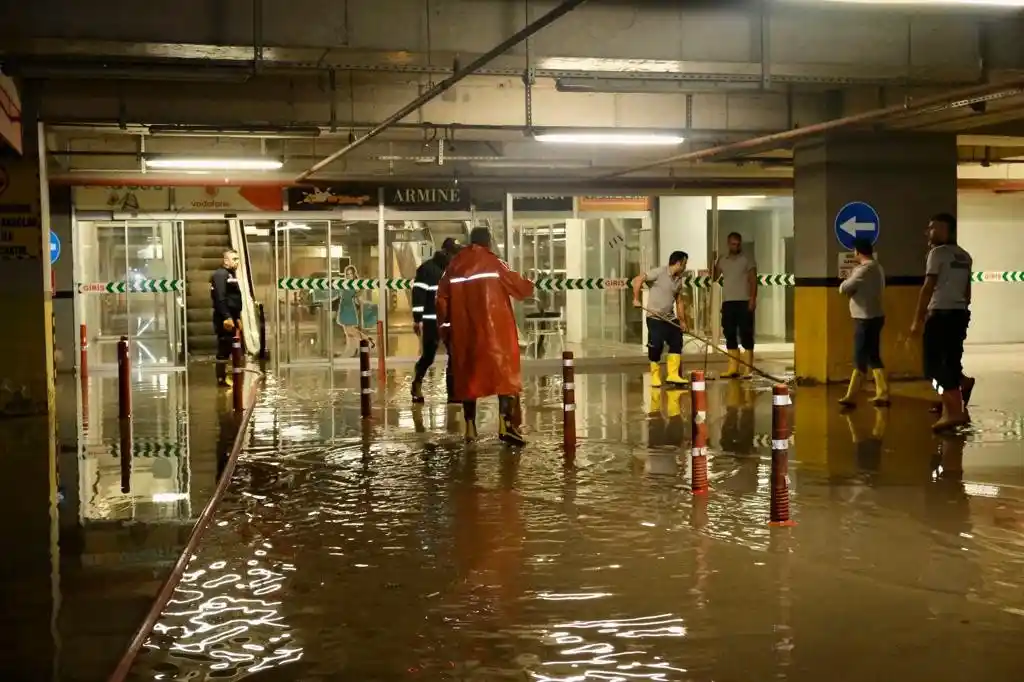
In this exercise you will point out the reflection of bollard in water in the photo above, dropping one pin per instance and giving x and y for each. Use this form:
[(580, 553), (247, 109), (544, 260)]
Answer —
[(237, 374), (124, 380), (364, 379), (568, 403), (779, 510), (125, 446), (698, 433)]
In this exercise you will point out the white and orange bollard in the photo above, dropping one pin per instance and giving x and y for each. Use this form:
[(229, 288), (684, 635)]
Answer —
[(124, 380), (698, 433), (237, 374), (781, 431), (364, 379), (568, 404)]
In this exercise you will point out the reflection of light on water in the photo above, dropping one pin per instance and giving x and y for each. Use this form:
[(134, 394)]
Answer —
[(981, 490), (578, 596), (601, 660)]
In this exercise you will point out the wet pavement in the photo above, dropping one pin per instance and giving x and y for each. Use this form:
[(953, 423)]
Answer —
[(399, 552), (81, 581)]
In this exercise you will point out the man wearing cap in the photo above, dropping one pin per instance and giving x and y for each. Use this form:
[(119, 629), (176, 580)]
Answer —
[(424, 315)]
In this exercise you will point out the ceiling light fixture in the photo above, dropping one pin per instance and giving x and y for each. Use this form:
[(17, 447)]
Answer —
[(630, 139), (200, 163)]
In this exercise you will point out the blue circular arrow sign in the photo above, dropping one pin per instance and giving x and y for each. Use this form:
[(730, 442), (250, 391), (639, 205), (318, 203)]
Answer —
[(857, 220), (54, 247)]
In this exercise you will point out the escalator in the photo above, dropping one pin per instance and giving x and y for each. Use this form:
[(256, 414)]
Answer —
[(205, 244)]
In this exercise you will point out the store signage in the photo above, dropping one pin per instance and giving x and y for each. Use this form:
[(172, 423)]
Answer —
[(614, 203), (364, 195), (128, 199), (10, 114), (228, 198), (542, 204), (21, 236)]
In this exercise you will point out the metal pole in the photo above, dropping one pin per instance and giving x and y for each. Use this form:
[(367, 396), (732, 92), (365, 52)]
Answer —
[(952, 99), (442, 87)]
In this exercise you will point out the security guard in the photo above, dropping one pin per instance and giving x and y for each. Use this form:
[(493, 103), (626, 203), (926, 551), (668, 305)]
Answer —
[(424, 315), (739, 301), (943, 311), (665, 326), (226, 296)]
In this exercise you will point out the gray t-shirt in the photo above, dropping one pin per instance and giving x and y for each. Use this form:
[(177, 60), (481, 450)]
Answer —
[(951, 265), (865, 287), (735, 269), (664, 290)]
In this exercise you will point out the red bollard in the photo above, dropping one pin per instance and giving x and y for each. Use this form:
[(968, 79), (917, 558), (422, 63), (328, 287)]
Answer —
[(779, 513), (124, 380), (237, 374), (364, 379), (568, 403), (698, 433), (125, 446), (83, 352)]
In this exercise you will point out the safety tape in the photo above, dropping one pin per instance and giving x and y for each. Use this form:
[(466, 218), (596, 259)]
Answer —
[(698, 386), (781, 400), (365, 373), (780, 444), (569, 407), (698, 452), (569, 386)]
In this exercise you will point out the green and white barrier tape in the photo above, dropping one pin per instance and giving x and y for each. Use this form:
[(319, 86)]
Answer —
[(769, 279), (139, 286), (141, 447)]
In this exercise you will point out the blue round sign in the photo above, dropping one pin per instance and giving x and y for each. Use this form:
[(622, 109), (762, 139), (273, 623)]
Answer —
[(54, 247), (857, 220)]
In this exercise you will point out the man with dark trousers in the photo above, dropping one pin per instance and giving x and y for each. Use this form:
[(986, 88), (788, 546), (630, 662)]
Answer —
[(424, 315), (226, 297)]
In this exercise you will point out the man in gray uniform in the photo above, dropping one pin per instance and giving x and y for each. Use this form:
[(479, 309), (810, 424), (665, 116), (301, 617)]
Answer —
[(865, 287), (739, 301), (665, 326), (943, 309)]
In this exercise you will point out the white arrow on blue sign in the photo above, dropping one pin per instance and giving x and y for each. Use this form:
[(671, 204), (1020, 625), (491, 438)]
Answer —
[(857, 220), (54, 247)]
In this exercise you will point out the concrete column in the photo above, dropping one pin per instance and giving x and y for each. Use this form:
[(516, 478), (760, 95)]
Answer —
[(906, 178), (575, 301)]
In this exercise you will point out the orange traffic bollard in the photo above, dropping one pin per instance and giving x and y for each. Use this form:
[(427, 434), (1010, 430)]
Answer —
[(698, 433), (237, 374), (124, 380), (779, 512), (568, 403), (364, 379)]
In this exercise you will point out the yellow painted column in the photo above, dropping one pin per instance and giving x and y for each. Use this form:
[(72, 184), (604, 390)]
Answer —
[(906, 178)]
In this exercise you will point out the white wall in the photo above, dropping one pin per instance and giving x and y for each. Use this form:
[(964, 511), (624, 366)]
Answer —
[(991, 228)]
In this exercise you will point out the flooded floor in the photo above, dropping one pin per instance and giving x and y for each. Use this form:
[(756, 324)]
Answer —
[(87, 569), (399, 552)]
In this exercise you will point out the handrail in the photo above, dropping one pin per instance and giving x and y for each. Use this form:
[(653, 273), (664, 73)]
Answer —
[(174, 577), (250, 320)]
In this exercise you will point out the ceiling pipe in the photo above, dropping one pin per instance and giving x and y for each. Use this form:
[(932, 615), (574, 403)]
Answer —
[(948, 100), (442, 87)]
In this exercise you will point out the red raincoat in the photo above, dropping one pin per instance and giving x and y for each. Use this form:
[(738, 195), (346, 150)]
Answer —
[(474, 315)]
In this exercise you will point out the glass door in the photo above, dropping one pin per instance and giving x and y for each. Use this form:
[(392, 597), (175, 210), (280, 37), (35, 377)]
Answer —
[(305, 299)]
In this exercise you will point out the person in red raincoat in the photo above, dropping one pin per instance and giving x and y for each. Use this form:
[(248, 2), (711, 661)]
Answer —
[(474, 315)]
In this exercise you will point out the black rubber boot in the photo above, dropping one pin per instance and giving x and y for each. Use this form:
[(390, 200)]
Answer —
[(507, 430)]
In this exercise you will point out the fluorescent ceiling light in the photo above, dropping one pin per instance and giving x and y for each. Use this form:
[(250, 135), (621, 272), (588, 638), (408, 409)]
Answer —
[(611, 138), (293, 226), (213, 164)]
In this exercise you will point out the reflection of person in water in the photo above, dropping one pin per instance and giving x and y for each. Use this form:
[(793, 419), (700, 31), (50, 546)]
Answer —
[(665, 429), (868, 443), (738, 425)]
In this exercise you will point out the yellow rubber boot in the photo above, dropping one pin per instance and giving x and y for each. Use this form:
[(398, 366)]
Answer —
[(655, 375), (733, 372), (881, 422), (733, 395), (747, 370), (881, 398), (673, 363), (655, 406), (675, 407), (850, 399)]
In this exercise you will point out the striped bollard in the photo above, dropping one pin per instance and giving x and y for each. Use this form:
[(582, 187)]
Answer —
[(364, 379), (237, 374), (125, 455), (698, 433), (83, 352), (779, 512), (568, 403), (124, 380)]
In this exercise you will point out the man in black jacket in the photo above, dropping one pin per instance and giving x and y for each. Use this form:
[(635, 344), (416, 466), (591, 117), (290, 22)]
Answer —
[(226, 296), (424, 315)]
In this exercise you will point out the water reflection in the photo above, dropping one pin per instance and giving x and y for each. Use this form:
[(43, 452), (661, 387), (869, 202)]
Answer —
[(391, 550)]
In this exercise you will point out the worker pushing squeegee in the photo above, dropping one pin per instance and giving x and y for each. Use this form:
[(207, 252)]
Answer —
[(666, 317)]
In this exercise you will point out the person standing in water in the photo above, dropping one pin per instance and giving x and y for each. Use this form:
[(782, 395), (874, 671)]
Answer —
[(739, 301), (424, 315), (226, 296), (865, 287)]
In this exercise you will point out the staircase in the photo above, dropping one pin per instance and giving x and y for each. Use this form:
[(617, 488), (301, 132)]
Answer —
[(205, 244)]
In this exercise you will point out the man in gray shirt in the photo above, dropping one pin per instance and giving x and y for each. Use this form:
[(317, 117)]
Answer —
[(865, 287), (739, 301), (666, 316), (943, 309)]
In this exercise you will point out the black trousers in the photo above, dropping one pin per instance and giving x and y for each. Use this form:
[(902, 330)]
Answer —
[(662, 333), (867, 343), (944, 334), (738, 325), (225, 340), (431, 339)]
